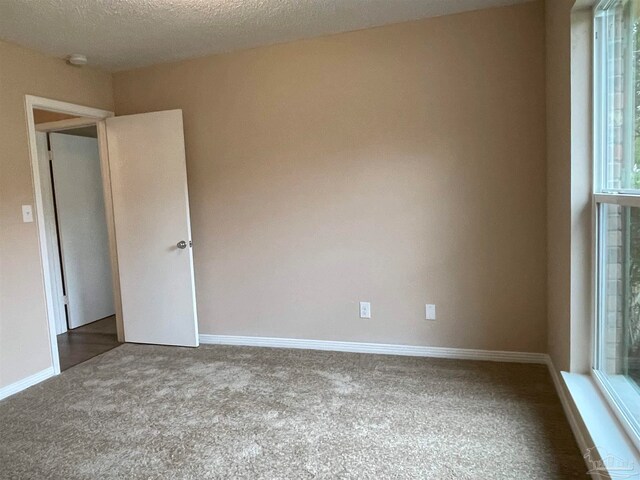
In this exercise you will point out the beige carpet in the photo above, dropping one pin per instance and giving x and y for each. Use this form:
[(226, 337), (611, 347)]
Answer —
[(230, 412)]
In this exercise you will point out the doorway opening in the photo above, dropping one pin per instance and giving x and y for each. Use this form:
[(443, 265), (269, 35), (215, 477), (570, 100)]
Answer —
[(86, 326), (74, 213), (143, 183)]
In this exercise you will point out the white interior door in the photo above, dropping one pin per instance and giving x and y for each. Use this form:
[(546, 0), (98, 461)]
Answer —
[(82, 228), (152, 228)]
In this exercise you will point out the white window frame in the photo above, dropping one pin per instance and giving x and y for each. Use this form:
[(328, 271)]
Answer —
[(601, 197)]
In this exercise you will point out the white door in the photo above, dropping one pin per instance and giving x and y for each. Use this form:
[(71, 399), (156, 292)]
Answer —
[(152, 228), (82, 228)]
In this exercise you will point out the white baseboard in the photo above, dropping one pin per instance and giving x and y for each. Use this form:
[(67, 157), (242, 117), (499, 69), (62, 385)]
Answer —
[(26, 382), (378, 348)]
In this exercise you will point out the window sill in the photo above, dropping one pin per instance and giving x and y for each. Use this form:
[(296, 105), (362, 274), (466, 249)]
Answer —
[(615, 450)]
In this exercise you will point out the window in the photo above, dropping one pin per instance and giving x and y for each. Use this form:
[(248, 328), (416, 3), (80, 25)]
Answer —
[(617, 206)]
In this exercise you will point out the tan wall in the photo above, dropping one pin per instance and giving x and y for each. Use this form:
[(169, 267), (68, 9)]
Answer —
[(24, 341), (568, 45), (569, 137), (581, 187), (558, 45), (400, 165), (44, 116)]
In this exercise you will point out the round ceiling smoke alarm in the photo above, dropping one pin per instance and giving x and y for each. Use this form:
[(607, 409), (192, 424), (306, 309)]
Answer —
[(77, 59)]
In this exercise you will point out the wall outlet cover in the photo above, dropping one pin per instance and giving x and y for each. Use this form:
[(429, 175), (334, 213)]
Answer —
[(430, 313), (27, 213), (365, 310)]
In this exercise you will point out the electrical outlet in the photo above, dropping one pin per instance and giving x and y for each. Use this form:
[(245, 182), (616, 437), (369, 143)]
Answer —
[(430, 312), (27, 214), (365, 310)]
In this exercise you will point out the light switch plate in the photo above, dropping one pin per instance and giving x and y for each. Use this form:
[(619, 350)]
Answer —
[(27, 213)]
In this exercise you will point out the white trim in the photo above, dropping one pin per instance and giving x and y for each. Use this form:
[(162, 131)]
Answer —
[(622, 199), (577, 427), (31, 380), (65, 107), (605, 435), (617, 406), (377, 348), (32, 102), (61, 125), (111, 225), (48, 209), (591, 420)]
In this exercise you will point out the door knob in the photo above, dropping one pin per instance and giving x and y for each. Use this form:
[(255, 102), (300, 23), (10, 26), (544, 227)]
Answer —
[(181, 244)]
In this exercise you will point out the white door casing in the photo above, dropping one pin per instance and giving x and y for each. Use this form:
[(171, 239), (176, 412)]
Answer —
[(151, 215), (53, 257)]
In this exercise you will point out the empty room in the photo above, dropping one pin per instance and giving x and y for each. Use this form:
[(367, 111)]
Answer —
[(320, 239)]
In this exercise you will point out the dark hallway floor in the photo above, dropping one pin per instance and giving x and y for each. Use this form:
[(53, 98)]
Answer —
[(82, 343)]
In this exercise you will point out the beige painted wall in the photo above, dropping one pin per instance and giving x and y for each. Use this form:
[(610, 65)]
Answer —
[(569, 145), (24, 341), (558, 45), (581, 187), (399, 165), (45, 116)]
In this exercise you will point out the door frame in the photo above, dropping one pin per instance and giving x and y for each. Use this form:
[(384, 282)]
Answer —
[(93, 116)]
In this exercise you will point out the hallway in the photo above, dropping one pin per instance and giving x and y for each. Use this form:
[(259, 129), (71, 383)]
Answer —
[(82, 343)]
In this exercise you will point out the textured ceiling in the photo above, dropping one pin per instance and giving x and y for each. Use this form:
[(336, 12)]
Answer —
[(122, 34)]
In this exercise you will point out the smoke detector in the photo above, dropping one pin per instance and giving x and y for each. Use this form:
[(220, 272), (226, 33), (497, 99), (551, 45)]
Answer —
[(77, 59)]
